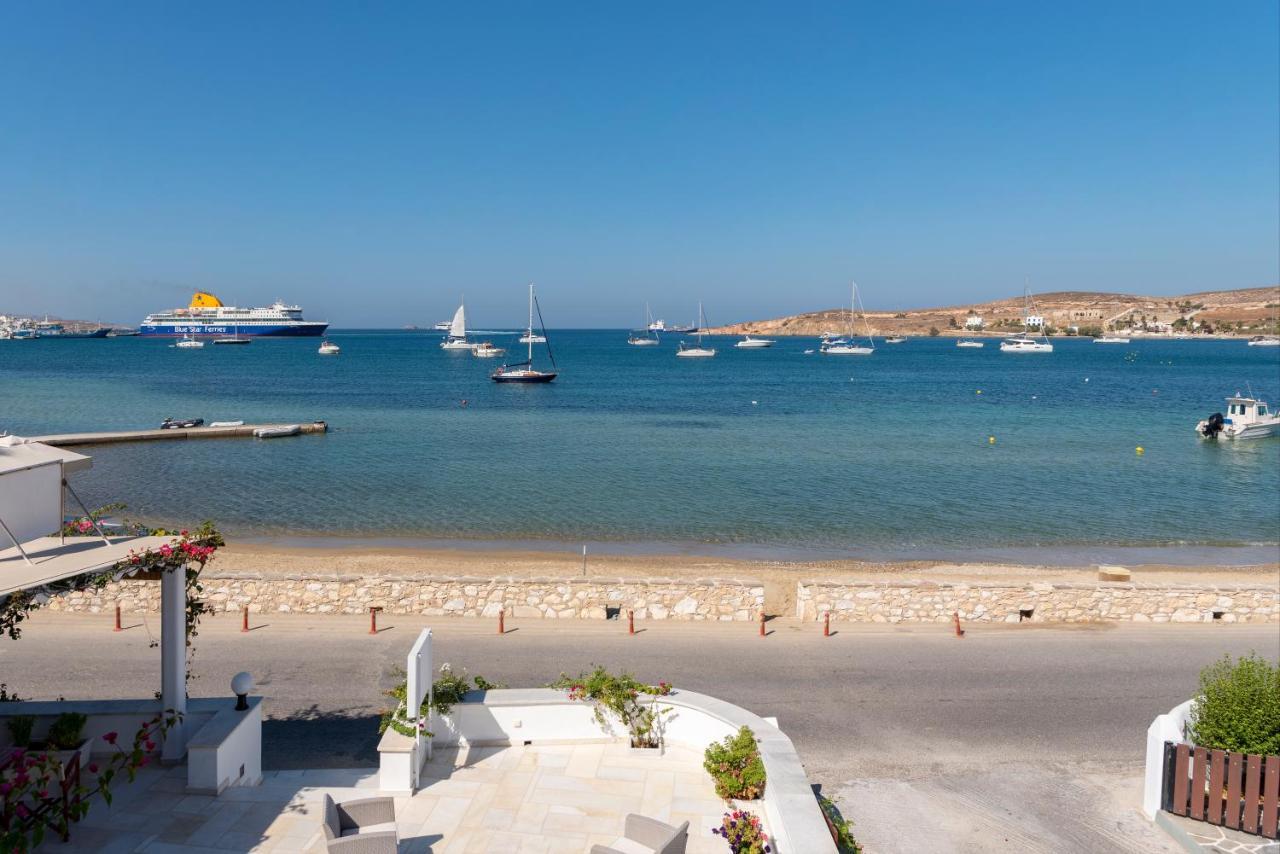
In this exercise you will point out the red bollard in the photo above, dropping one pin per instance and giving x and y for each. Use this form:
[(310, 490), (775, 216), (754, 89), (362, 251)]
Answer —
[(244, 619), (117, 628), (373, 619), (959, 631), (502, 621), (826, 625), (762, 622), (631, 622)]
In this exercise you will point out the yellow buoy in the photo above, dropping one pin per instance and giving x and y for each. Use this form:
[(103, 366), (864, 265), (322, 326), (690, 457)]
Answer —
[(1139, 450), (991, 440)]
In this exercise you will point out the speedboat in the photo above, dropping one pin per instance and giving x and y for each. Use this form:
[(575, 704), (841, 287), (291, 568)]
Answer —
[(531, 337), (1265, 341), (328, 348), (180, 423), (749, 343), (443, 326), (188, 342), (895, 339), (636, 340), (1110, 339), (969, 342), (486, 350), (1246, 418)]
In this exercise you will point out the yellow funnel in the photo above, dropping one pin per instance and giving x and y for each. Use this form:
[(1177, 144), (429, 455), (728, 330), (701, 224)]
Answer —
[(200, 299)]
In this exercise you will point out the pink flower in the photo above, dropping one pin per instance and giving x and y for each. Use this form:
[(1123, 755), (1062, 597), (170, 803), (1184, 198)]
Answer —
[(184, 533), (166, 551), (110, 738), (151, 745), (93, 767), (22, 811)]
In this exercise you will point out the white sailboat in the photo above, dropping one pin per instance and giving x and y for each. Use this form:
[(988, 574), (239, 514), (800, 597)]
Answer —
[(652, 328), (189, 343), (529, 336), (1024, 342), (845, 346), (698, 351), (457, 337)]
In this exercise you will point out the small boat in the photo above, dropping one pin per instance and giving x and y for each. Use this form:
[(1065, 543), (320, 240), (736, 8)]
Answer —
[(234, 338), (123, 333), (688, 351), (277, 432), (969, 342), (442, 326), (226, 423), (1246, 418), (524, 372), (529, 336), (647, 337), (895, 339), (328, 348), (180, 423), (845, 346), (749, 343), (486, 350), (1265, 341), (1023, 342), (188, 342), (1110, 339), (457, 337)]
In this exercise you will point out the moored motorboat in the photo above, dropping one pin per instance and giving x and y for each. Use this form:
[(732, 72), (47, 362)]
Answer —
[(1111, 339), (1246, 418), (328, 348), (895, 339), (1265, 341), (180, 423), (277, 432), (969, 342), (750, 343), (486, 350)]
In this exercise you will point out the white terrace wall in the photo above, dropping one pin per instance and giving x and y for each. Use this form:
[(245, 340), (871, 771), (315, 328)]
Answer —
[(907, 602), (560, 598)]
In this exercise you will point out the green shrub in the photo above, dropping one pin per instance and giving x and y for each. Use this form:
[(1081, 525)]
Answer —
[(20, 729), (736, 766), (840, 825), (1238, 706), (633, 702), (66, 730)]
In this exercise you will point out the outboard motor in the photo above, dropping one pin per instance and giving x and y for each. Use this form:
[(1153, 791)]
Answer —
[(1213, 426)]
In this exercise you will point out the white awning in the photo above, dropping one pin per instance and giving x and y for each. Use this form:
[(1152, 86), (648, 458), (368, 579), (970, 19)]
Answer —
[(17, 453), (52, 559)]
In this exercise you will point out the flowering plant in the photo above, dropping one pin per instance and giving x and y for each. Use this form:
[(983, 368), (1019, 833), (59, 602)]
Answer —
[(445, 692), (621, 695), (32, 784), (743, 832)]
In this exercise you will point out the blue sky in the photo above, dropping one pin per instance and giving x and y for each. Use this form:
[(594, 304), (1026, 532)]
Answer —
[(373, 161)]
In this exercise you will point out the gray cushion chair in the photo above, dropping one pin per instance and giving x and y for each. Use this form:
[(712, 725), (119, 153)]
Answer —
[(644, 835), (366, 826)]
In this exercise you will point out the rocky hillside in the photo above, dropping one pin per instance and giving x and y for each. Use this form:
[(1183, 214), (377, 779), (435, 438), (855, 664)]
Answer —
[(1247, 311)]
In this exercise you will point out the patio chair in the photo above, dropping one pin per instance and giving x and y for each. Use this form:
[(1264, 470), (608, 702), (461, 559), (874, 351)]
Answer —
[(366, 826), (644, 835)]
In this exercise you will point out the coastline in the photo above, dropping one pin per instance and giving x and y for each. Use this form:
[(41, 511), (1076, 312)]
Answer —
[(488, 560)]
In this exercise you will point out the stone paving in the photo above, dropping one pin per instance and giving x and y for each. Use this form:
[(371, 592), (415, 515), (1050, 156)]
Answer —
[(1211, 839), (539, 799)]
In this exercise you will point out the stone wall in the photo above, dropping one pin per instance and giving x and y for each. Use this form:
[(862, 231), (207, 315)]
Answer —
[(915, 602), (653, 599)]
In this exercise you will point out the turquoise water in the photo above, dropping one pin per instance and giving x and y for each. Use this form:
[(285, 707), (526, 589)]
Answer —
[(768, 451)]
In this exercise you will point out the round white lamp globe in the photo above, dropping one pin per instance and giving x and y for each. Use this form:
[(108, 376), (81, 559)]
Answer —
[(241, 685)]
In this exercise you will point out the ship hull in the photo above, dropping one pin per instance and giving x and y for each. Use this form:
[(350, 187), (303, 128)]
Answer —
[(303, 329)]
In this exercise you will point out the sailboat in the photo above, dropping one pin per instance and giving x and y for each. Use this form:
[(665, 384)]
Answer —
[(1023, 342), (524, 372), (699, 351), (457, 337), (189, 343), (647, 337), (529, 336), (235, 337), (845, 346)]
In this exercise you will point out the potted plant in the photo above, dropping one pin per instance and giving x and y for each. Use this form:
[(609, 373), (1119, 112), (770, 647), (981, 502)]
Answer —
[(66, 738), (20, 729), (736, 767)]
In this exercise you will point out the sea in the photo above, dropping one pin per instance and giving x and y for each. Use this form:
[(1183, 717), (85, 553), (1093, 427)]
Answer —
[(920, 451)]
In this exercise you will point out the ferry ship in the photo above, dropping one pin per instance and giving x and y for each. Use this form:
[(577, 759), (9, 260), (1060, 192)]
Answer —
[(208, 316)]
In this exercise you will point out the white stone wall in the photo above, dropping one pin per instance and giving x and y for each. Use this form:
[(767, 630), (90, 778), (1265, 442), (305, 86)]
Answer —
[(914, 602), (558, 598)]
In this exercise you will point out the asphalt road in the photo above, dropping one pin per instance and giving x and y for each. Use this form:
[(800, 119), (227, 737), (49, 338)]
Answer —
[(1014, 736)]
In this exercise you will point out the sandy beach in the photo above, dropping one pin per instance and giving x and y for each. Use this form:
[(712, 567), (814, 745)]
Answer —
[(381, 559)]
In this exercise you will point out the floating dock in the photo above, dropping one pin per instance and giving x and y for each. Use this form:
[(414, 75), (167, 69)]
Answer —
[(111, 437)]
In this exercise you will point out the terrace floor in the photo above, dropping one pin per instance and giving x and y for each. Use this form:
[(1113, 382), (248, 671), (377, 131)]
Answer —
[(562, 798)]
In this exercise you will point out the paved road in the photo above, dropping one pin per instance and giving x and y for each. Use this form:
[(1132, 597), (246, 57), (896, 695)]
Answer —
[(1014, 737)]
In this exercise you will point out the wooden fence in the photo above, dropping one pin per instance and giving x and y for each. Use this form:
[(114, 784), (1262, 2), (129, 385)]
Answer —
[(1228, 789)]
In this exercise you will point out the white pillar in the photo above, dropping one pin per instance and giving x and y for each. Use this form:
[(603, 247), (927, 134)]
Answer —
[(173, 658)]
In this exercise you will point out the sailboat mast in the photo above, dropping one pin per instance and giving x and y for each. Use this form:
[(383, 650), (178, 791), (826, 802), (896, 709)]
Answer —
[(529, 336)]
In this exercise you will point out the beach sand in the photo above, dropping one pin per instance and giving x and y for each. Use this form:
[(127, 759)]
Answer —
[(381, 559)]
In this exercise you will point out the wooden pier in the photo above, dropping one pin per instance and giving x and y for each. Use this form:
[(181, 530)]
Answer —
[(113, 436)]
